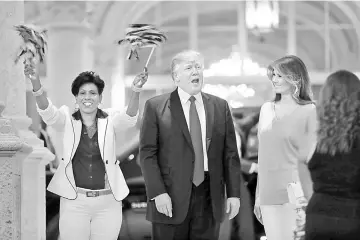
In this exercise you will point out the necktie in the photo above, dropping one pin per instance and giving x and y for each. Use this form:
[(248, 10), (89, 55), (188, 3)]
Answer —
[(196, 138)]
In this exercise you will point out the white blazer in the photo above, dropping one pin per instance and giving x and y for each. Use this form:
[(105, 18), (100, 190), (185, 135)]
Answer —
[(116, 123)]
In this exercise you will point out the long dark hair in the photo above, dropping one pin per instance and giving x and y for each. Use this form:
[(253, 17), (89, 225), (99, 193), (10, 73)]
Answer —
[(295, 72), (339, 113)]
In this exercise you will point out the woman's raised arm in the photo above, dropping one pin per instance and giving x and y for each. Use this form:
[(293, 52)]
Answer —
[(48, 112)]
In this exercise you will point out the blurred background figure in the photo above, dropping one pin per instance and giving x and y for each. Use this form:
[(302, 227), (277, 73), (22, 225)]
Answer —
[(241, 227), (333, 211)]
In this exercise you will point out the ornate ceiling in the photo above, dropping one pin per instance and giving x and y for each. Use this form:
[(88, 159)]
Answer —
[(217, 29)]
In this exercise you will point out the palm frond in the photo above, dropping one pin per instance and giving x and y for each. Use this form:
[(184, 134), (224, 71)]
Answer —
[(34, 42), (142, 36)]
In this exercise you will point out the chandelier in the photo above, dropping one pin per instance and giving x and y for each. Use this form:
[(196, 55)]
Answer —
[(235, 65), (262, 15), (235, 95)]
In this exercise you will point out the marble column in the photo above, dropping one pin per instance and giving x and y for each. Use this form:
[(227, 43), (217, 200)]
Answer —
[(70, 47), (193, 26), (291, 28), (118, 99), (327, 34), (110, 68), (69, 53), (26, 170), (242, 30), (12, 80), (13, 150), (10, 165)]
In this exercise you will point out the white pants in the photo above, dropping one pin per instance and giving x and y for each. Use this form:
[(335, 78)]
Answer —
[(279, 221), (90, 218)]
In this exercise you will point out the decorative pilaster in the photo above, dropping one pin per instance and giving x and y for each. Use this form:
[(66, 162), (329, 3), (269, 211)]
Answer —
[(13, 150), (22, 154), (33, 198), (11, 144), (11, 77)]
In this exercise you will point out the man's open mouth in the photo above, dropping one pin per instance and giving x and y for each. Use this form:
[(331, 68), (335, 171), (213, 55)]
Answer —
[(196, 80)]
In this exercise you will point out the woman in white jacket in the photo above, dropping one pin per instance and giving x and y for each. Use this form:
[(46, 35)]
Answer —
[(88, 178)]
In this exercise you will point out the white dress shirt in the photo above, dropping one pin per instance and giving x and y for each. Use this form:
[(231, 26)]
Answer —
[(185, 103)]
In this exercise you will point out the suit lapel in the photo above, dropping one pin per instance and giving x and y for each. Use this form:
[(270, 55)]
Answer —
[(102, 125), (177, 113), (77, 132), (209, 113)]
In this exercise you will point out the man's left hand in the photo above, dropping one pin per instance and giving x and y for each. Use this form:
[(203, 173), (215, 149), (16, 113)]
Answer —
[(232, 207)]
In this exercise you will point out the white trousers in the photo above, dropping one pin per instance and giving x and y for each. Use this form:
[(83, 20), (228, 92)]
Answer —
[(90, 218), (279, 221)]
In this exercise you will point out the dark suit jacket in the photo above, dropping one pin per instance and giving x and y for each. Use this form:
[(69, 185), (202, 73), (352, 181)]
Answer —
[(167, 156)]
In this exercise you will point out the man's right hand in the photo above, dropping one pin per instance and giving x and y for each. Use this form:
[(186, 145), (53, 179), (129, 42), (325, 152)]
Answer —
[(163, 204), (257, 211)]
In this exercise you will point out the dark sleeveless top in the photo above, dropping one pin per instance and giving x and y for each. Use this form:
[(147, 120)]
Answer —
[(336, 183)]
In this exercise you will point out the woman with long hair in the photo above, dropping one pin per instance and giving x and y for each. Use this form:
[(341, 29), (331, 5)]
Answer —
[(283, 133), (88, 179), (333, 211)]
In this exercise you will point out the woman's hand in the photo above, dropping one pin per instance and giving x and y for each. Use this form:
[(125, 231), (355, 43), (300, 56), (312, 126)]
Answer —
[(137, 84), (141, 79), (30, 71)]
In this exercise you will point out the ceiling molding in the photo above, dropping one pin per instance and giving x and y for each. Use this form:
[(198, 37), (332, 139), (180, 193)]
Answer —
[(353, 18), (181, 14), (266, 51), (209, 9)]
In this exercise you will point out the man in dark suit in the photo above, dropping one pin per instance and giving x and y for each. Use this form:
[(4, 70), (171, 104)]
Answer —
[(189, 157)]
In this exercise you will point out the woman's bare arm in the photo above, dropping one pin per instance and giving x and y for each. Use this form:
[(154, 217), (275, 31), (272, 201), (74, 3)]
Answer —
[(133, 107), (305, 179), (310, 143), (138, 82)]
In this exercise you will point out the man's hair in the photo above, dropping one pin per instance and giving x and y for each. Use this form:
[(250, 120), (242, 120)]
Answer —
[(181, 57)]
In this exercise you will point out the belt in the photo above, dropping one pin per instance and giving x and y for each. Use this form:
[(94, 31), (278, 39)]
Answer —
[(94, 193)]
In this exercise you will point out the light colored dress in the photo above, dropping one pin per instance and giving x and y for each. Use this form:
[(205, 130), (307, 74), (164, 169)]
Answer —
[(282, 143)]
